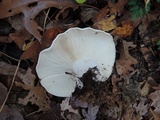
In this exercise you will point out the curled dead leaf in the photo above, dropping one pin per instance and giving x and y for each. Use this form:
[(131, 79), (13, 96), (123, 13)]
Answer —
[(49, 36), (32, 52), (20, 37), (145, 89), (123, 64), (155, 97), (141, 107), (30, 10), (105, 24), (125, 30), (154, 114), (37, 94)]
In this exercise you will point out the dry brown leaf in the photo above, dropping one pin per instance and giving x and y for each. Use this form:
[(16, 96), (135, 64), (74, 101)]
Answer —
[(37, 94), (145, 22), (145, 51), (115, 7), (125, 30), (145, 89), (101, 14), (20, 37), (8, 69), (154, 114), (155, 97), (32, 52), (87, 13), (141, 107), (4, 39), (114, 80), (30, 9), (17, 22), (49, 36), (3, 93), (10, 113), (111, 111), (123, 65), (105, 24), (110, 9)]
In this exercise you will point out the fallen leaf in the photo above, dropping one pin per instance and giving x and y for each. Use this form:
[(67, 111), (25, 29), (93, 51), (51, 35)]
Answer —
[(3, 93), (123, 64), (65, 105), (145, 89), (37, 94), (154, 114), (8, 69), (17, 22), (30, 10), (145, 22), (87, 13), (141, 107), (129, 113), (20, 37), (105, 24), (155, 97), (80, 103), (27, 45), (145, 51), (110, 9), (4, 39), (32, 52), (116, 7), (101, 14), (91, 114), (49, 36), (114, 80), (10, 113), (125, 30), (111, 111), (72, 116)]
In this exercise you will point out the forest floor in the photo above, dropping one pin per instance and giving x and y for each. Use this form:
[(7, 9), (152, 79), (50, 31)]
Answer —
[(131, 93)]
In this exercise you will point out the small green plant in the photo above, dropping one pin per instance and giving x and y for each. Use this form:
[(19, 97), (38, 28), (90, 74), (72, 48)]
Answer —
[(158, 44), (138, 8), (80, 1)]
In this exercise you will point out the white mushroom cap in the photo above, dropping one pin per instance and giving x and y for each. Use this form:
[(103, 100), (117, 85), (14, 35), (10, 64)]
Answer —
[(74, 52)]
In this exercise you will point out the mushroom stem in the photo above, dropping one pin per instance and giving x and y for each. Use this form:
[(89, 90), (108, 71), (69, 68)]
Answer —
[(81, 66)]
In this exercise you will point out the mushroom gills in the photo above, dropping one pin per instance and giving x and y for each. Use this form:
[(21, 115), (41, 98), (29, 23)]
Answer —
[(81, 66)]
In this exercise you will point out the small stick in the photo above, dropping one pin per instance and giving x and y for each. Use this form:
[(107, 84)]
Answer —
[(10, 86)]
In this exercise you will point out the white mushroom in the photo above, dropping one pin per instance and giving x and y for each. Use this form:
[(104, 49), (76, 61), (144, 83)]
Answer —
[(72, 54)]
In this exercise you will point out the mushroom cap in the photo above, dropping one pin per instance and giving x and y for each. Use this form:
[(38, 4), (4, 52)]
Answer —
[(71, 54)]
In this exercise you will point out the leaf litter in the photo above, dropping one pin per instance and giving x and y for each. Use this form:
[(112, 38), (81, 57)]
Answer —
[(131, 93)]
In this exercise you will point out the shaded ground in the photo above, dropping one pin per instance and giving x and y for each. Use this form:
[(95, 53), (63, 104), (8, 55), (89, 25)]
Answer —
[(131, 93)]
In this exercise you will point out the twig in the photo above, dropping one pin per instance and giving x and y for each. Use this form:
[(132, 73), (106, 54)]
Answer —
[(32, 113), (45, 20), (9, 56), (10, 86)]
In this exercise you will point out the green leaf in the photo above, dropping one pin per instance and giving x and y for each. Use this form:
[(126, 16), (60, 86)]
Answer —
[(134, 8), (80, 1), (132, 2), (140, 12), (158, 1), (158, 43), (135, 15)]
